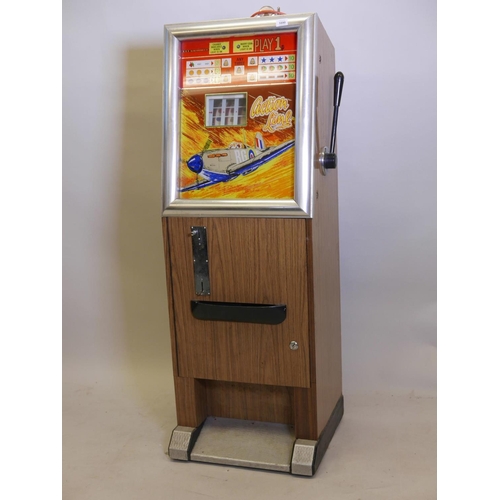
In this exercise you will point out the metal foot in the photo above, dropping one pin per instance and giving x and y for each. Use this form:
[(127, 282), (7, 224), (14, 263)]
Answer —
[(304, 452), (182, 442)]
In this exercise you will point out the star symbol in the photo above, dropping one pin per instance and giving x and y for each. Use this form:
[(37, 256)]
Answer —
[(280, 59), (263, 60), (272, 59)]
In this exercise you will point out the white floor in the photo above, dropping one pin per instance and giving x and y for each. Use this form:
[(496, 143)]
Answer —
[(114, 441)]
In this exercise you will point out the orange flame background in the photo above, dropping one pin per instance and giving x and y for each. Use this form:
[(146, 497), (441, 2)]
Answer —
[(273, 180)]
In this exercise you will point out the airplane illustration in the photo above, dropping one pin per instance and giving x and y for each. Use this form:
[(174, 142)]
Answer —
[(223, 165)]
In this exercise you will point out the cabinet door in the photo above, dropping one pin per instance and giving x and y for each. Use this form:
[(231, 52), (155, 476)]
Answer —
[(251, 261)]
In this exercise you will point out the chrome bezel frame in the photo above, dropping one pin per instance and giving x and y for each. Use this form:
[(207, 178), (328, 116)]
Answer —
[(305, 126)]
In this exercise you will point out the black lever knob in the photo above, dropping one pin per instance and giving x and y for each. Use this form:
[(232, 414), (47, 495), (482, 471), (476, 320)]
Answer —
[(338, 85)]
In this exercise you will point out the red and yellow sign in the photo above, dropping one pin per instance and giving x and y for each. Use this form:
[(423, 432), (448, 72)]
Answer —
[(239, 60)]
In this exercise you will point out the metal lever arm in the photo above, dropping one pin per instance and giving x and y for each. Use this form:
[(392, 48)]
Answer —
[(328, 159)]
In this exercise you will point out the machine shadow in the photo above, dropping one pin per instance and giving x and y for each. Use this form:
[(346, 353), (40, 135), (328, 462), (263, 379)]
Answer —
[(148, 368)]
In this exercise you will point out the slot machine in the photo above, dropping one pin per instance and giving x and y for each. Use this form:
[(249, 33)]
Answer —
[(250, 225)]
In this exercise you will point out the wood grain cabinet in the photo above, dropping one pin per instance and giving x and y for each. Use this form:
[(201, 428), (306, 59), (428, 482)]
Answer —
[(253, 290)]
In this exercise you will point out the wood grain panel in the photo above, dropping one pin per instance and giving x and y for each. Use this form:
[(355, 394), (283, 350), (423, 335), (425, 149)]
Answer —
[(190, 398), (314, 406), (324, 241), (170, 297), (305, 413), (190, 401), (265, 403), (261, 261)]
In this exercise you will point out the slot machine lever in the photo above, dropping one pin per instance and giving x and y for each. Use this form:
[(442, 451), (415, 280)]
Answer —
[(328, 159)]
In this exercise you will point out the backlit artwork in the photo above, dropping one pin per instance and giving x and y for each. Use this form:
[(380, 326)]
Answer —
[(237, 98)]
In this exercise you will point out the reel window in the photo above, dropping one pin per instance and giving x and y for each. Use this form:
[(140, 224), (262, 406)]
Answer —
[(226, 110)]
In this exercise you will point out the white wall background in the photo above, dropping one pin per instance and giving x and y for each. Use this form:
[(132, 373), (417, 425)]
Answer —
[(115, 319)]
